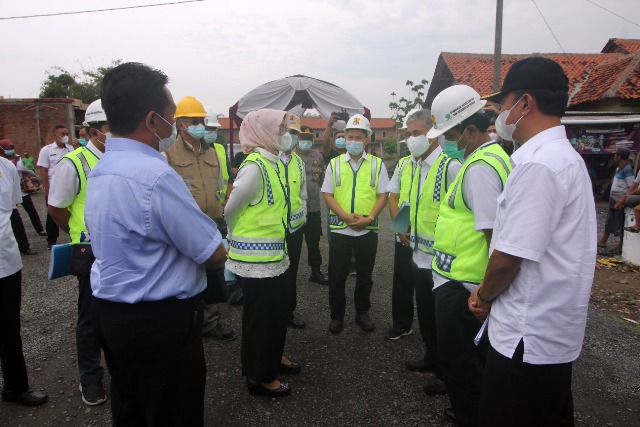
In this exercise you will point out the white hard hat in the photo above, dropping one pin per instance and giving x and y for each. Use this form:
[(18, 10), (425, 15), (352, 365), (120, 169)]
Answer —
[(212, 118), (452, 106), (358, 121), (409, 114), (94, 113)]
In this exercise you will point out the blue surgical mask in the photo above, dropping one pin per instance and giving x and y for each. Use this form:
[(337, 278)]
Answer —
[(294, 141), (355, 147), (197, 131), (82, 142), (341, 143), (9, 152), (210, 137), (305, 145)]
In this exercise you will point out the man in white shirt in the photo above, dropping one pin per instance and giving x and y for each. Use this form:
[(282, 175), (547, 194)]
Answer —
[(539, 276), (14, 371), (50, 156)]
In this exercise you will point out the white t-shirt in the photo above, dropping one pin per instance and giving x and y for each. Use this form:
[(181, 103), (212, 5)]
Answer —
[(10, 196), (546, 216), (50, 155), (327, 187), (64, 186)]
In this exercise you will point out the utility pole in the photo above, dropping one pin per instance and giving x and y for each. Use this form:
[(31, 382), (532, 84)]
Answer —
[(497, 51)]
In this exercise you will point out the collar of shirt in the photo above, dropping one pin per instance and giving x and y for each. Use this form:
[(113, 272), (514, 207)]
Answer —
[(91, 147), (126, 144), (55, 146), (203, 145), (347, 158), (286, 158), (431, 158), (556, 132), (270, 156)]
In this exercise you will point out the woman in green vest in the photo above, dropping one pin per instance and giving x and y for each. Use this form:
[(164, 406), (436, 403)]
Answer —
[(257, 218)]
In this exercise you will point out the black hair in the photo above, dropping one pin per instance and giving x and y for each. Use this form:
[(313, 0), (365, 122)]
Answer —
[(129, 91), (56, 127), (479, 120), (549, 102), (95, 125)]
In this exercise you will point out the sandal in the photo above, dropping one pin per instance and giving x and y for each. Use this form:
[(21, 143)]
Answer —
[(632, 229)]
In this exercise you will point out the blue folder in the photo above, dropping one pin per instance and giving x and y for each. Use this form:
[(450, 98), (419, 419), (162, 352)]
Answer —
[(60, 263)]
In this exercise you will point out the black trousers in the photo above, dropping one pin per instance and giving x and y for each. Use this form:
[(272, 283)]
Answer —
[(155, 356), (53, 231), (28, 206), (265, 315), (14, 369), (340, 250), (312, 232), (294, 246), (402, 288), (87, 344), (426, 305), (18, 231), (461, 363), (515, 393)]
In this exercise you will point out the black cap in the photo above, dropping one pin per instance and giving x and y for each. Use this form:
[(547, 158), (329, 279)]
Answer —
[(532, 73), (623, 152)]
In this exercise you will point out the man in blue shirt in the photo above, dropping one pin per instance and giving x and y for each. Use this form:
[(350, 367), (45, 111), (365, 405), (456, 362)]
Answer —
[(151, 243)]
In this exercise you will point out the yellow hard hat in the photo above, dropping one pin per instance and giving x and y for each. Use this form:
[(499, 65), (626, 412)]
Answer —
[(294, 122), (189, 107)]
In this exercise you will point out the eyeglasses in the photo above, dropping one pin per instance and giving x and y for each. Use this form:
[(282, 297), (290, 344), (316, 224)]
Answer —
[(194, 121)]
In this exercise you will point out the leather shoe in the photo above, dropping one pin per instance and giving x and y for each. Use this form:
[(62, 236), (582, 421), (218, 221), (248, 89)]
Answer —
[(435, 387), (30, 397), (335, 327), (421, 365), (296, 322), (318, 277), (449, 415), (29, 251), (257, 388), (292, 369), (365, 322)]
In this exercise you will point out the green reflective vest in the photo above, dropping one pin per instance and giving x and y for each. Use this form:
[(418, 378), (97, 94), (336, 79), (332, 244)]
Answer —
[(259, 234), (425, 203), (84, 161), (222, 156), (355, 191), (295, 174), (406, 171), (460, 252)]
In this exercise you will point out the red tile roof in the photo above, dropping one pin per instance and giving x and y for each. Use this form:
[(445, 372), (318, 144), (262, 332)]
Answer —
[(622, 46), (320, 123), (614, 79)]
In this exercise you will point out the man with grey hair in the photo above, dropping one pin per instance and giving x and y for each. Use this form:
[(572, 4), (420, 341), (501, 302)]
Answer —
[(419, 180)]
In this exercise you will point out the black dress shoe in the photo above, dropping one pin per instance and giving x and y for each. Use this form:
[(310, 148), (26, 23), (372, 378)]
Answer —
[(296, 322), (365, 322), (291, 369), (31, 397), (257, 388), (335, 327), (29, 251), (435, 387), (449, 415), (318, 277), (421, 365)]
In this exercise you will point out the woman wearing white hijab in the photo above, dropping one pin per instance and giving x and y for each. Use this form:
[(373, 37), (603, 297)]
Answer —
[(256, 214)]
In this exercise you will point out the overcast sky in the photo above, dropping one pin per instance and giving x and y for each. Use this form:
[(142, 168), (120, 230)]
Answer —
[(218, 51)]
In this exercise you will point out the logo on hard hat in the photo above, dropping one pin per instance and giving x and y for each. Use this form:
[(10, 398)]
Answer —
[(433, 119), (447, 116), (356, 120)]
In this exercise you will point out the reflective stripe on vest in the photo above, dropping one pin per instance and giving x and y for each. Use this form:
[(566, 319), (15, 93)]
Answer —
[(460, 252), (294, 178), (259, 234), (406, 172), (425, 203), (83, 160), (355, 191)]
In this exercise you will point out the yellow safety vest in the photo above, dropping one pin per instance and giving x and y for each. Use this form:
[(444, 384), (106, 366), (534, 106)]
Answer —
[(222, 156), (84, 161), (406, 170), (295, 174), (259, 234), (355, 191), (460, 252), (425, 203)]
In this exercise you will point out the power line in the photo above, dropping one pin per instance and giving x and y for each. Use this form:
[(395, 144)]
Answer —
[(613, 13), (98, 10), (548, 26)]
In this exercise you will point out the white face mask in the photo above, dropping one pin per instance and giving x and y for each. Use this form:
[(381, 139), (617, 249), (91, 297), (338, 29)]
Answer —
[(504, 130), (283, 143), (64, 139), (165, 143), (493, 136), (418, 145)]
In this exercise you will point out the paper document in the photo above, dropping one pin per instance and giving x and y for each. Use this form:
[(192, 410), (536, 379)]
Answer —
[(483, 328), (60, 263), (402, 221)]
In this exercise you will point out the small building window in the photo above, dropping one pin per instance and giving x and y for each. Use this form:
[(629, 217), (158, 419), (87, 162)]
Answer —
[(317, 134), (384, 134)]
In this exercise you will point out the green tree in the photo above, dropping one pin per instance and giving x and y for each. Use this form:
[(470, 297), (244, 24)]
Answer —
[(61, 83), (390, 146), (401, 108)]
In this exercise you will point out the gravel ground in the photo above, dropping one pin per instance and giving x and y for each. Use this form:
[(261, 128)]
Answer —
[(353, 378)]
